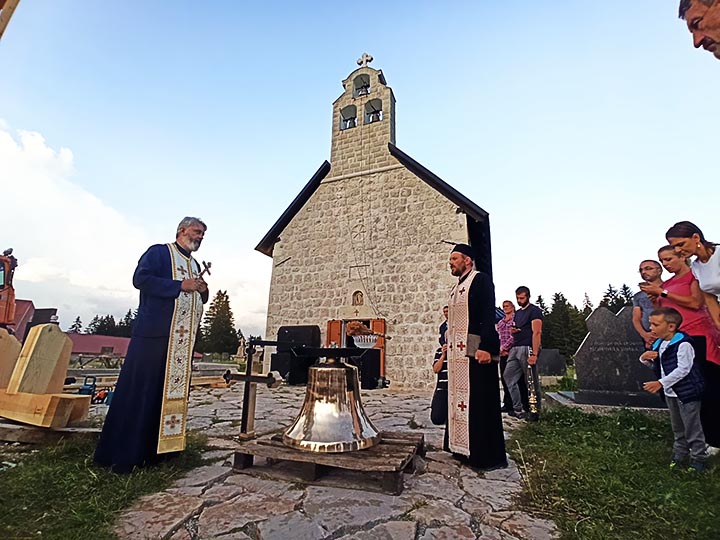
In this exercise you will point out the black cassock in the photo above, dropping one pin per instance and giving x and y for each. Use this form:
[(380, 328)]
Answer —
[(130, 433), (487, 440)]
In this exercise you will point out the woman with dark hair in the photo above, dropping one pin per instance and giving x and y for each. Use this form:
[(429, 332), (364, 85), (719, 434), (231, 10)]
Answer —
[(688, 241), (683, 293)]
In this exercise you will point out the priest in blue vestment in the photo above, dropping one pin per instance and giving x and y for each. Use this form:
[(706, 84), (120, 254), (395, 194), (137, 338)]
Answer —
[(148, 412)]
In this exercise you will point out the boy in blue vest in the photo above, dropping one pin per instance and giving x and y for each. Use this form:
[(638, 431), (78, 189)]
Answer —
[(672, 356)]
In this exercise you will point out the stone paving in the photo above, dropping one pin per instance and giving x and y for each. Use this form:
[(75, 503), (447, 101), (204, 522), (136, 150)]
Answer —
[(442, 499)]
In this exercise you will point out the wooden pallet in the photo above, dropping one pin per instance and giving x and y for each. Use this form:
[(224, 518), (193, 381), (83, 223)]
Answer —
[(393, 455)]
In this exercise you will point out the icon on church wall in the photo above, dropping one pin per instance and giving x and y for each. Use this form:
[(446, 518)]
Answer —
[(358, 298)]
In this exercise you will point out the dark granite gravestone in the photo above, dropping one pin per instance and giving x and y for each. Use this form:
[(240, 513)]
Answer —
[(551, 363), (607, 363)]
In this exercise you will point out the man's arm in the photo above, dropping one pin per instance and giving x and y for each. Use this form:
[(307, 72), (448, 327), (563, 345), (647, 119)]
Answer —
[(536, 326), (637, 324), (148, 274), (711, 301)]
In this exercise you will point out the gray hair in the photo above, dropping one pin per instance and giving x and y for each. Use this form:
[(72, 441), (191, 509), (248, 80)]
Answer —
[(687, 4), (189, 221)]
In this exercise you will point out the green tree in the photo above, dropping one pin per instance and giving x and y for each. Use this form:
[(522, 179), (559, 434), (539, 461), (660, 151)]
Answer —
[(626, 293), (76, 327), (219, 334), (124, 327), (540, 302), (564, 327), (104, 326), (587, 306), (612, 300)]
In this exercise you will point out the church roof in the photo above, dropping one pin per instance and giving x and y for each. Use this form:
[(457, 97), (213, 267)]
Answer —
[(437, 183), (434, 181)]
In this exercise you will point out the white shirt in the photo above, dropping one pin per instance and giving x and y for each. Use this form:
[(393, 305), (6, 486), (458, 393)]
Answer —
[(685, 357), (708, 273)]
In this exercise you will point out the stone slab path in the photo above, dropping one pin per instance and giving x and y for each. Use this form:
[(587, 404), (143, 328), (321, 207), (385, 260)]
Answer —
[(442, 498)]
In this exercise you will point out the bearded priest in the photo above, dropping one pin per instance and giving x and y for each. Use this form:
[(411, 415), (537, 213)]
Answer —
[(474, 429), (148, 412)]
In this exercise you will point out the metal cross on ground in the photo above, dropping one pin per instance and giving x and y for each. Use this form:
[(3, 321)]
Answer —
[(272, 379)]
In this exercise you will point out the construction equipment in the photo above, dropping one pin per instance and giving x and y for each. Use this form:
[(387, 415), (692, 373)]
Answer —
[(7, 8), (7, 291)]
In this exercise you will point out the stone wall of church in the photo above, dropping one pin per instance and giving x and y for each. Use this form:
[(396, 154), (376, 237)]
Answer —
[(386, 230)]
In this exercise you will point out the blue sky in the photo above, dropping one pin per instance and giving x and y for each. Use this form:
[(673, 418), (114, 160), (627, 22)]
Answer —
[(585, 129)]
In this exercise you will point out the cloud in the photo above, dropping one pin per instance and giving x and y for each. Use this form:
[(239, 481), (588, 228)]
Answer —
[(78, 253), (75, 251)]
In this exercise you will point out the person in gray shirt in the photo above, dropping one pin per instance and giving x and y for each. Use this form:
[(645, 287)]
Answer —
[(651, 272)]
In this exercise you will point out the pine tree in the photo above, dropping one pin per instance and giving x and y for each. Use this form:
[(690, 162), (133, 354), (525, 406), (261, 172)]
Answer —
[(626, 294), (219, 331), (92, 327), (612, 300), (587, 306), (104, 326), (124, 327), (76, 327), (540, 302), (564, 327)]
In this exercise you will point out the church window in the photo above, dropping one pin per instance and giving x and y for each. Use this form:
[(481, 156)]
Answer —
[(361, 85), (373, 111), (348, 117)]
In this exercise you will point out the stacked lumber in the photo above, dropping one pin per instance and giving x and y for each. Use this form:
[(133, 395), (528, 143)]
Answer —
[(33, 392)]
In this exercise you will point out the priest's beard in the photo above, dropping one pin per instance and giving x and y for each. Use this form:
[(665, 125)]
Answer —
[(193, 245)]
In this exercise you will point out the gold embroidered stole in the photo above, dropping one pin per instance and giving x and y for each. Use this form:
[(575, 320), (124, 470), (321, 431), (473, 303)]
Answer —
[(459, 367), (183, 329)]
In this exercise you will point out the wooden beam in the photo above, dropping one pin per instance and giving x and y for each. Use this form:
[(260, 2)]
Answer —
[(44, 410), (7, 8)]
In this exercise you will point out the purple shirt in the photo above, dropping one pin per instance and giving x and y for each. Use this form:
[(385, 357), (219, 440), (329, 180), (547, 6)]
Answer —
[(503, 329)]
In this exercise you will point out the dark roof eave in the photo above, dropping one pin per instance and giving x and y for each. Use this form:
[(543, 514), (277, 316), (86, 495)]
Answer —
[(267, 244), (437, 183)]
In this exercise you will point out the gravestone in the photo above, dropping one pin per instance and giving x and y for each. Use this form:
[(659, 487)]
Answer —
[(607, 363), (551, 363)]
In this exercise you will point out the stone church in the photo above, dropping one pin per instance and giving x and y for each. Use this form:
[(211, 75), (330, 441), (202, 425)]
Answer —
[(369, 236)]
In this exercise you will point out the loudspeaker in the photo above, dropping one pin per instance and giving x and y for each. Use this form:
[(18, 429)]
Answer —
[(289, 336), (369, 368), (294, 368)]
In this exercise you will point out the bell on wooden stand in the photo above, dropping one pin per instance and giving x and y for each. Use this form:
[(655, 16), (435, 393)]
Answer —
[(332, 418)]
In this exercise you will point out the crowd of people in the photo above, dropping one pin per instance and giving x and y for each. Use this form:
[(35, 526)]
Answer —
[(686, 354), (677, 319)]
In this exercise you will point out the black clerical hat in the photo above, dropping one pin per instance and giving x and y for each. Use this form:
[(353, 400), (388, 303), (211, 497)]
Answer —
[(465, 250)]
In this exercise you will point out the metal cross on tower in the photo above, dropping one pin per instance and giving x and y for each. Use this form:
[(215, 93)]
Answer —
[(364, 60)]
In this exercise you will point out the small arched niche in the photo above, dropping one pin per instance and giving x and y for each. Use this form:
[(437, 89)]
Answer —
[(361, 85), (348, 117), (373, 111)]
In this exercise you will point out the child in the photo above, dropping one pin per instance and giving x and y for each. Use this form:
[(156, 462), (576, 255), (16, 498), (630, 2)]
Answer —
[(672, 356)]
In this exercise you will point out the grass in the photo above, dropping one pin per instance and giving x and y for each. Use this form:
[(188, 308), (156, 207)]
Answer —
[(57, 493), (608, 477)]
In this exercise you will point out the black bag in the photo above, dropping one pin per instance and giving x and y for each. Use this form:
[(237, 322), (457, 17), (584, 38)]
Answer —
[(439, 407)]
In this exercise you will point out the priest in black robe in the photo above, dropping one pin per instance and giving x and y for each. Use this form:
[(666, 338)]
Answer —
[(474, 432), (148, 411)]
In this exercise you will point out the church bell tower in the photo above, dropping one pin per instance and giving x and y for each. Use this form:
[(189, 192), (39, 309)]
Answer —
[(363, 122)]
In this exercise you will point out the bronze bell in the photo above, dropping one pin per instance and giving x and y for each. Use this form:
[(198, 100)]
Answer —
[(332, 418)]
